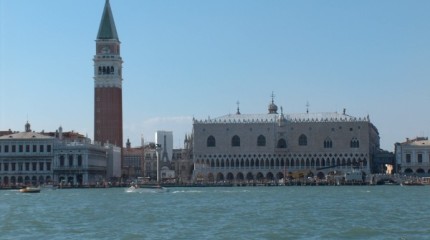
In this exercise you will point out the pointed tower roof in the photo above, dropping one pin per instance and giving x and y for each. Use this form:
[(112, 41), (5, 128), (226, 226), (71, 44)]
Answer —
[(107, 29)]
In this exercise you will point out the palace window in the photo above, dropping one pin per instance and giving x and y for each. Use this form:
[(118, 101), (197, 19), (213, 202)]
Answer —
[(27, 148), (420, 157), (408, 157), (41, 148), (281, 143), (355, 143), (62, 161), (48, 166), (13, 148), (79, 160), (235, 141), (70, 160), (34, 148), (34, 166), (328, 143), (210, 142), (303, 140), (20, 148), (48, 148), (261, 141)]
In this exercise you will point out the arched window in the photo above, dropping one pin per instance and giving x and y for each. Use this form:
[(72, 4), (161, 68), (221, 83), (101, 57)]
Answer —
[(303, 140), (261, 141), (211, 141), (355, 143), (100, 70), (235, 141), (111, 70), (328, 143), (104, 70), (281, 143)]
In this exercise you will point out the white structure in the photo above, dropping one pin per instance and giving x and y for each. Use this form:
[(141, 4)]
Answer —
[(79, 163), (113, 161), (265, 147), (413, 156), (26, 158)]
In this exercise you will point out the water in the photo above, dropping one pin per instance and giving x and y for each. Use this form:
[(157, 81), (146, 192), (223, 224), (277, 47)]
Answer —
[(325, 212)]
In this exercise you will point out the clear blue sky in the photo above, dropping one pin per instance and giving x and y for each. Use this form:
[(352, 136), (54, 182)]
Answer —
[(185, 59)]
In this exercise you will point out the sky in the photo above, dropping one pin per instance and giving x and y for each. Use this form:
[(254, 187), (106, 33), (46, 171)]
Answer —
[(197, 59)]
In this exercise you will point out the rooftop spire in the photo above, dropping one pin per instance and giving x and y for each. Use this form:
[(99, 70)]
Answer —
[(107, 29)]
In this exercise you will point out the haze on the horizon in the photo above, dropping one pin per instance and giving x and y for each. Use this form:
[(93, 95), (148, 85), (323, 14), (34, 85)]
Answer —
[(185, 59)]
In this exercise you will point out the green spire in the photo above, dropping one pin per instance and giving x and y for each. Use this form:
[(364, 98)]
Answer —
[(107, 29)]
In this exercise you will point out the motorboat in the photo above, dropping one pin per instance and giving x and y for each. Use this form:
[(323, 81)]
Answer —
[(146, 188), (411, 183), (30, 190)]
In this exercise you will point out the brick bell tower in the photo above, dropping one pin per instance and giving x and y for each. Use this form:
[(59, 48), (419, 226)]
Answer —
[(108, 82)]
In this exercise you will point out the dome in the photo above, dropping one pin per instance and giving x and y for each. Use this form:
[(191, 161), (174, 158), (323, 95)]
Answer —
[(273, 108)]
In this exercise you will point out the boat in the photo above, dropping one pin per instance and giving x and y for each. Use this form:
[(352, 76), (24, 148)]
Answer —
[(146, 188), (411, 183), (30, 190)]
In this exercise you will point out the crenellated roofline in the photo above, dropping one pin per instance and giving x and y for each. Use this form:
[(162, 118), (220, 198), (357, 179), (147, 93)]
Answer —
[(274, 118)]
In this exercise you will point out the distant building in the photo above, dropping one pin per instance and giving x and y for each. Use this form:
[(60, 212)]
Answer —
[(177, 170), (133, 161), (164, 143), (183, 161), (266, 147), (26, 158), (8, 132), (150, 162), (413, 156)]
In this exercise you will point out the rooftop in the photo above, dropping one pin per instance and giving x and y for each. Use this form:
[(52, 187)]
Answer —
[(294, 117), (26, 135)]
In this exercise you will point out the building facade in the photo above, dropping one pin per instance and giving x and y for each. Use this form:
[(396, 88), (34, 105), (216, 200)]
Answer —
[(413, 156), (178, 170), (26, 158), (108, 83), (79, 163), (132, 167), (267, 147)]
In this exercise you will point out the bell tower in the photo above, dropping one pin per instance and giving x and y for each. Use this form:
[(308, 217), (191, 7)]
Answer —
[(108, 82)]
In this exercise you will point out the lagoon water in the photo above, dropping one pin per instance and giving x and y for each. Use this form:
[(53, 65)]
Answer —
[(324, 212)]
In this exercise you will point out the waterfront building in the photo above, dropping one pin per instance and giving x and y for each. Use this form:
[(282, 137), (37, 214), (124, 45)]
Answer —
[(413, 156), (150, 162), (183, 161), (108, 82), (178, 169), (133, 161), (26, 158), (266, 147), (79, 163)]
